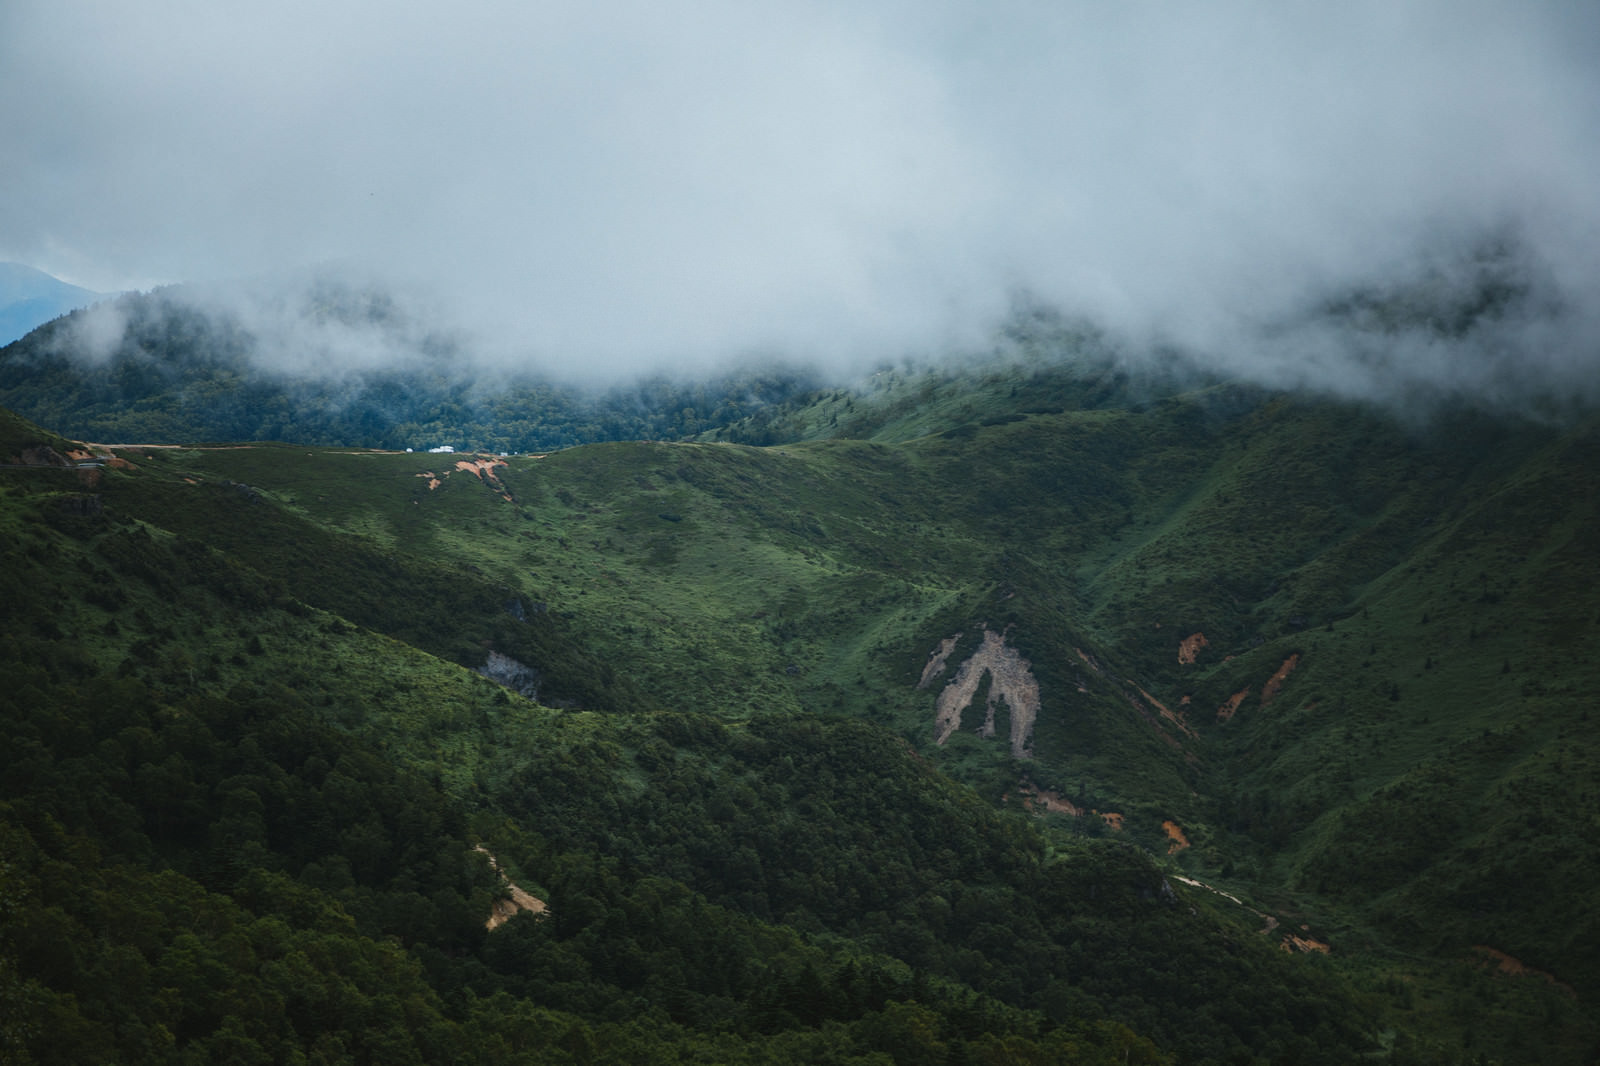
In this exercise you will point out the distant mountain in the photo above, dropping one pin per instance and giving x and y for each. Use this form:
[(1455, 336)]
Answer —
[(29, 298), (335, 366)]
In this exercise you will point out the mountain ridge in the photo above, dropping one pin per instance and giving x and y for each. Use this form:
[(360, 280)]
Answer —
[(29, 298), (171, 366), (1389, 615)]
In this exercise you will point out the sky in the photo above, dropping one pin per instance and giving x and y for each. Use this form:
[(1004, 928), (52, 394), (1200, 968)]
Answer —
[(599, 187)]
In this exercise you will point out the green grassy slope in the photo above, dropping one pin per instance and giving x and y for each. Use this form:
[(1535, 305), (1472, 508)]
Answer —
[(1414, 787), (236, 825)]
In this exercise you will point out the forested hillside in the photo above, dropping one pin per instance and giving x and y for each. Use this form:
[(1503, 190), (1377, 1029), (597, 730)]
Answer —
[(1035, 712), (823, 533), (238, 826)]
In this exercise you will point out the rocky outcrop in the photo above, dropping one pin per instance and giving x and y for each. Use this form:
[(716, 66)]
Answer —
[(518, 677), (42, 455), (81, 505), (247, 493), (1010, 679), (936, 660)]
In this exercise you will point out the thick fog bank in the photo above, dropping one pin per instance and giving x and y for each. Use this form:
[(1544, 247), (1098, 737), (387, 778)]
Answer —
[(1301, 195)]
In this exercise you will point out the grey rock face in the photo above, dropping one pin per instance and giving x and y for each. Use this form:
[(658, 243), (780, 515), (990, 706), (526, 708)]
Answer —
[(518, 677)]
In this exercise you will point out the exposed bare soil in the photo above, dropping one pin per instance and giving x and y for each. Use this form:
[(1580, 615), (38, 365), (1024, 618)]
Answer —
[(481, 468), (505, 909), (1176, 840), (1190, 647), (102, 452), (1509, 967), (484, 468), (1176, 718), (1230, 708), (1270, 689), (1224, 895), (1292, 943), (936, 660), (1010, 679), (1043, 799)]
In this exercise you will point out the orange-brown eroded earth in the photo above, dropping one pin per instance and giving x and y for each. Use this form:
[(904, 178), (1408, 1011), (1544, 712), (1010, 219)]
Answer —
[(1270, 689), (1176, 719), (1175, 836), (505, 909), (1229, 709), (482, 469), (1509, 967), (1042, 799), (1292, 943)]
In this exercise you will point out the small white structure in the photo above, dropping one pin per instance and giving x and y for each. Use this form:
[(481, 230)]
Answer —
[(444, 449)]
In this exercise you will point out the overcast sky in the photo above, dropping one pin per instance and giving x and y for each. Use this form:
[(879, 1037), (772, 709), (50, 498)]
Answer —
[(609, 184)]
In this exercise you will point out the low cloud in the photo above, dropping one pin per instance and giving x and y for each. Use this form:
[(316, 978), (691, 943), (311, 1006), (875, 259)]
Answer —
[(1279, 191)]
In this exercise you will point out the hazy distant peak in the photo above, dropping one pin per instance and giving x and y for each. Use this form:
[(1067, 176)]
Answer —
[(29, 298), (20, 281)]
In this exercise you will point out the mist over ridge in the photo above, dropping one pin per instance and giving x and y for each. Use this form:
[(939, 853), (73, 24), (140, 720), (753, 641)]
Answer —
[(1379, 201)]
